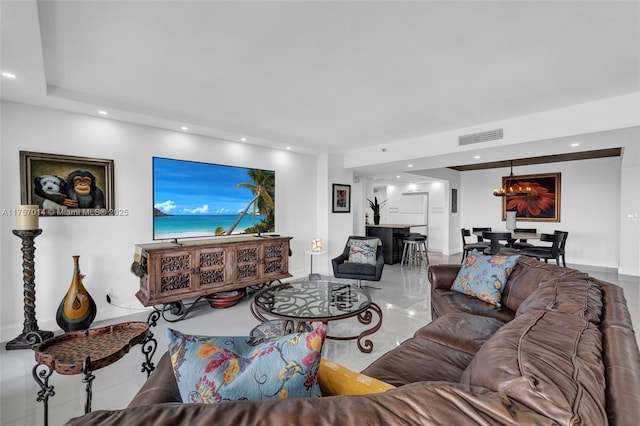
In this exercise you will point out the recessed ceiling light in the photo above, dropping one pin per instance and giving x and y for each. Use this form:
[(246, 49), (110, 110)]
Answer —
[(243, 139), (476, 157), (398, 177), (9, 75), (103, 112), (184, 128), (410, 165), (575, 144), (288, 147)]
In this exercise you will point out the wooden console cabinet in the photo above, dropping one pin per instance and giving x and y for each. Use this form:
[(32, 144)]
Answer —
[(191, 269)]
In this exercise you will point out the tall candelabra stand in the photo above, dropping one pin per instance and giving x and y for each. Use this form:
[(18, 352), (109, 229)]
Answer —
[(31, 334)]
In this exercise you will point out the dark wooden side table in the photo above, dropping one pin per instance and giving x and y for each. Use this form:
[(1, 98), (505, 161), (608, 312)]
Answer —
[(82, 352)]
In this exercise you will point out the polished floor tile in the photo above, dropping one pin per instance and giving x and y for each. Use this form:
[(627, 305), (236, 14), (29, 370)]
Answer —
[(403, 296)]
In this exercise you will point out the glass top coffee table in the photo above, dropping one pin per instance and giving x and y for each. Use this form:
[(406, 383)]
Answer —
[(301, 303)]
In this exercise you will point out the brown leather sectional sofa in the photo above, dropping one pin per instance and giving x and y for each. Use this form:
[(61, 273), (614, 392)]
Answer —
[(561, 350)]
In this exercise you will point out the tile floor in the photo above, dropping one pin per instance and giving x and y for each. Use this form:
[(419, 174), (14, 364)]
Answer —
[(403, 297)]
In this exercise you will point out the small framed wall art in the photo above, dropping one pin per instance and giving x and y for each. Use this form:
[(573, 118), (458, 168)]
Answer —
[(65, 185), (341, 198)]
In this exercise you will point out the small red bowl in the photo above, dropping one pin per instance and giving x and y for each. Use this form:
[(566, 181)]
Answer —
[(225, 299)]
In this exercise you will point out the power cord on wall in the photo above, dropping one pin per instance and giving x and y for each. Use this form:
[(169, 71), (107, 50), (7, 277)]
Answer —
[(111, 300)]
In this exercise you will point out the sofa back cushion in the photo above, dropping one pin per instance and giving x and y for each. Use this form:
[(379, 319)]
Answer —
[(527, 275), (577, 296), (549, 361)]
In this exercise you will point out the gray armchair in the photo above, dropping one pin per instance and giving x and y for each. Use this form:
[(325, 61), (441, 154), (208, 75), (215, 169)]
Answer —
[(342, 268)]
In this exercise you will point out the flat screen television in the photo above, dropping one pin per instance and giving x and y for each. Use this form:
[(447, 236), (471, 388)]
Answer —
[(193, 199)]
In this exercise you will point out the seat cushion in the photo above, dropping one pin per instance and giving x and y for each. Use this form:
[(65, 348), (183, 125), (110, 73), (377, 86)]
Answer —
[(444, 301), (549, 361), (417, 360), (356, 268), (459, 330)]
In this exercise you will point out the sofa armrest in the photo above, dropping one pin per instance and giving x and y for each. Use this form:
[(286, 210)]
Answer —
[(160, 387), (442, 276)]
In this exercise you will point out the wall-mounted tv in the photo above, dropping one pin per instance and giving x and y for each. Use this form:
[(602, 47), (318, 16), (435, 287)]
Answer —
[(193, 199)]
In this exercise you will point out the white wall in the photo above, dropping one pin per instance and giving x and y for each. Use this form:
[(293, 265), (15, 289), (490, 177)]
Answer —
[(106, 244), (339, 225), (589, 209)]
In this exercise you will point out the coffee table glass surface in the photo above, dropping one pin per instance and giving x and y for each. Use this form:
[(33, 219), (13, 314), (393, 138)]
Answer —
[(313, 300)]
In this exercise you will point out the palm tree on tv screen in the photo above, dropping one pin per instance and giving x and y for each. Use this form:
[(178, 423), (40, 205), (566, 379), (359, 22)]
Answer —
[(262, 185)]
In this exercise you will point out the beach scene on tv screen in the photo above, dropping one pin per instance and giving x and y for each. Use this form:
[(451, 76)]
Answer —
[(194, 199)]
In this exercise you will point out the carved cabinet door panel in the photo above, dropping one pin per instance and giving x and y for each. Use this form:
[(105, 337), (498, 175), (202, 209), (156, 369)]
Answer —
[(175, 272), (248, 259), (214, 268), (276, 257)]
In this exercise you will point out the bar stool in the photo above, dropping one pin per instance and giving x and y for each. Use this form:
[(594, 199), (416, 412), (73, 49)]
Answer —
[(415, 250)]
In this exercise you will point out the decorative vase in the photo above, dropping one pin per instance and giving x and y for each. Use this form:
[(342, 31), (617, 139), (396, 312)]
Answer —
[(511, 220), (376, 219), (77, 309)]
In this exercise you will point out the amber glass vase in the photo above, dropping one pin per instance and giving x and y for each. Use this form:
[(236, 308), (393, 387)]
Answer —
[(77, 309)]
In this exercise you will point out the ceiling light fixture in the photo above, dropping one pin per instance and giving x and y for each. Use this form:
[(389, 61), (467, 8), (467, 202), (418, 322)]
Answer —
[(10, 75), (410, 165), (288, 148), (243, 139), (515, 190), (103, 112), (575, 144), (184, 128)]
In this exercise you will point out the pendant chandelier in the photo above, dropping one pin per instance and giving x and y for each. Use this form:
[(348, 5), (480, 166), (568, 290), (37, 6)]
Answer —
[(513, 190)]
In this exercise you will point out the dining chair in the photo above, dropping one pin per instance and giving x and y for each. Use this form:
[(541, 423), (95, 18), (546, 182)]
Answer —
[(522, 242), (495, 238), (546, 253), (474, 230), (467, 247), (561, 248)]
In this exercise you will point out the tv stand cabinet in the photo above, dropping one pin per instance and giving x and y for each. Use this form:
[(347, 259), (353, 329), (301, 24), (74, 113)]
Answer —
[(194, 269)]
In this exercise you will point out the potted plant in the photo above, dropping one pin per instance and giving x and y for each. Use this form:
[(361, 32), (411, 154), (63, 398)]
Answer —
[(375, 206)]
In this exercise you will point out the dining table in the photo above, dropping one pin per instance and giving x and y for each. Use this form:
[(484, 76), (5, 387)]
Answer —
[(495, 236)]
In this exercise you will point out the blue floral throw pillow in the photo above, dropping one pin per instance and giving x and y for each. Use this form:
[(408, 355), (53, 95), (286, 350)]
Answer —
[(484, 277), (214, 369)]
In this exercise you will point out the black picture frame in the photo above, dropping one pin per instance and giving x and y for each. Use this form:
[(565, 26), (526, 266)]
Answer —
[(454, 200), (341, 198)]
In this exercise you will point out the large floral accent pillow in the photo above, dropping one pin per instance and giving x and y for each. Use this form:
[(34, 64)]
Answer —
[(363, 251), (214, 369), (484, 277)]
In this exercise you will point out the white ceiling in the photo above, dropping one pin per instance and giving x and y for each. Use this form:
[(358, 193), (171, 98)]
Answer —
[(319, 76)]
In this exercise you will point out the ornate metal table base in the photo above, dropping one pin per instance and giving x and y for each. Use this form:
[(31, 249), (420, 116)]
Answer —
[(365, 318), (179, 310)]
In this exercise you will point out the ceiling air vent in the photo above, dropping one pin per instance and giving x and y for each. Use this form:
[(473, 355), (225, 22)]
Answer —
[(490, 135)]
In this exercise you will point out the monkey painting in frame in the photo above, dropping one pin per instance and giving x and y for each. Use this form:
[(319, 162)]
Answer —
[(63, 185)]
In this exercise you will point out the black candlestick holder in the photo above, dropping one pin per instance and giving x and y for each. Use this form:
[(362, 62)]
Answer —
[(31, 334)]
